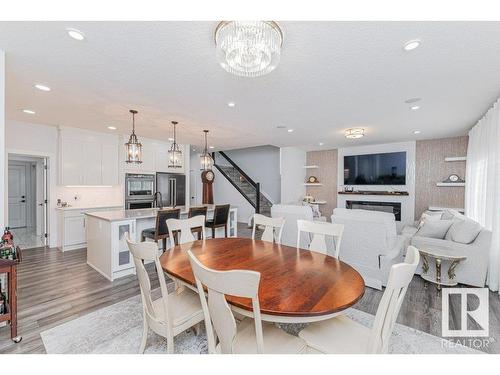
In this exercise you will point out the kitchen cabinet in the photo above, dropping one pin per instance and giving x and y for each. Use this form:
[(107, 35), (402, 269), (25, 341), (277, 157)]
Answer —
[(88, 158), (155, 158)]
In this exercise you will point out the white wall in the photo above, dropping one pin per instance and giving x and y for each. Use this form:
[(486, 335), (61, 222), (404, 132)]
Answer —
[(261, 164), (293, 174), (3, 156)]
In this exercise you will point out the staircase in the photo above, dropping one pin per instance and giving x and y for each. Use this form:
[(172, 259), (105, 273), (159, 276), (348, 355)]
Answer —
[(248, 188)]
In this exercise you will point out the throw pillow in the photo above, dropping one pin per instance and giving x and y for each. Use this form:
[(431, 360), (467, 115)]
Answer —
[(434, 229), (452, 214), (428, 216), (464, 231)]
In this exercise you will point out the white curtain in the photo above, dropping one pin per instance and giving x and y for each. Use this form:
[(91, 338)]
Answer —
[(482, 186)]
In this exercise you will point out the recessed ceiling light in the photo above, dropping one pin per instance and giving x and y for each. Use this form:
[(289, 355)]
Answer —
[(211, 147), (171, 139), (416, 132), (354, 133), (290, 130), (412, 100), (414, 107), (29, 111), (411, 44), (112, 127), (231, 104), (42, 87), (75, 34), (321, 143)]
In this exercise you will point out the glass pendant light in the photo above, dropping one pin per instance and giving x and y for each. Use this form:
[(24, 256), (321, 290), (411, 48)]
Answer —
[(133, 146), (175, 154), (206, 160)]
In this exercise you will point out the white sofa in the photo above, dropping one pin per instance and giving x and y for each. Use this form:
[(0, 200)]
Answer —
[(292, 213), (473, 270), (370, 243)]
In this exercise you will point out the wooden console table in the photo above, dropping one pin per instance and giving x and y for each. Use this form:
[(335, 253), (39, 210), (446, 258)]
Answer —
[(9, 267)]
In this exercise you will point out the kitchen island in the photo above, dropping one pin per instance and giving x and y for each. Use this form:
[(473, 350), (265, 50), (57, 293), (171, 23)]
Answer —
[(107, 250)]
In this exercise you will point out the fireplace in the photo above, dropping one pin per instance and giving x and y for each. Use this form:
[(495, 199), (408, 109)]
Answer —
[(391, 207)]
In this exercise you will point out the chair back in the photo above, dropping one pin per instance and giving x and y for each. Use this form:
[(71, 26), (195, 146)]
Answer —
[(218, 314), (161, 220), (196, 211), (319, 230), (183, 227), (148, 252), (400, 277), (221, 214), (273, 227)]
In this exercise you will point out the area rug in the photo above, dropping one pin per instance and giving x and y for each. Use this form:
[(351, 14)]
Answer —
[(117, 329)]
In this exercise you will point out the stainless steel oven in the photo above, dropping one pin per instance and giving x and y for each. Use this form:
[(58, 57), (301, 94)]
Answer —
[(139, 186)]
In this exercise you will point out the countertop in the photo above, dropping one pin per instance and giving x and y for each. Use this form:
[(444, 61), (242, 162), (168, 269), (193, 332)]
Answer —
[(71, 208), (145, 213)]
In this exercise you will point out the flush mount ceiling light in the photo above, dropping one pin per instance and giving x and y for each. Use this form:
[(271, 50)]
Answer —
[(133, 146), (42, 87), (231, 104), (29, 111), (248, 48), (411, 45), (175, 154), (75, 34), (206, 160), (354, 133)]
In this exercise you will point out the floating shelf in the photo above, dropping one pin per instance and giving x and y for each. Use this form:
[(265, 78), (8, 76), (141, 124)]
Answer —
[(313, 184), (450, 184), (456, 158), (311, 166)]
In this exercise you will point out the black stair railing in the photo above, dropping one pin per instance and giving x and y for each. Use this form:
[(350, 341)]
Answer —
[(256, 185)]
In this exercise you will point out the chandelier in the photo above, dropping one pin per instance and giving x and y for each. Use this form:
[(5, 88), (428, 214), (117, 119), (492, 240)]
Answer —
[(133, 146), (354, 133), (175, 154), (206, 160), (248, 48)]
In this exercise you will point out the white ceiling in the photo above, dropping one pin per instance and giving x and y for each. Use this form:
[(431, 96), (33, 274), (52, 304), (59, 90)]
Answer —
[(332, 76)]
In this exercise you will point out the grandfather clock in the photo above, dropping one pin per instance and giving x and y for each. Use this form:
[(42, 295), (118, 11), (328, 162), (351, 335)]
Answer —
[(207, 177)]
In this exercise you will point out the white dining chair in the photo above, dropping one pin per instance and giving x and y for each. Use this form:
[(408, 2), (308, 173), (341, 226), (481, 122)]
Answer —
[(171, 314), (319, 231), (341, 335), (183, 229), (250, 336), (273, 227)]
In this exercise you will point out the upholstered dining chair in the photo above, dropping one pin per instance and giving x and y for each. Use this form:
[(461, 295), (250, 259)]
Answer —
[(197, 211), (319, 231), (220, 219), (171, 314), (341, 335), (273, 227), (160, 231), (250, 335), (184, 229)]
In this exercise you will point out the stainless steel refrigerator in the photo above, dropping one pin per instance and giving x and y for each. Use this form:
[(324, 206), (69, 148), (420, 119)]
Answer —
[(172, 188)]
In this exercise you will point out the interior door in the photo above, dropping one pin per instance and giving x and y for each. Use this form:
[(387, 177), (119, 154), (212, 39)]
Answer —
[(17, 196)]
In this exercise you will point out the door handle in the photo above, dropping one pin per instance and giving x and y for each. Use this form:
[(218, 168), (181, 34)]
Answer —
[(23, 201), (22, 196), (40, 204)]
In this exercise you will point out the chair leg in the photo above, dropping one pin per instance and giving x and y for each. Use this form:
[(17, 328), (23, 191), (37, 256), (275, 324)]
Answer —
[(225, 230), (143, 238), (170, 345), (164, 241), (213, 232), (144, 337), (197, 329)]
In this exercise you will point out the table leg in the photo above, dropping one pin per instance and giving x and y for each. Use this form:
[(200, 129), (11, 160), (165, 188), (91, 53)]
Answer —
[(425, 264), (438, 274), (451, 270), (13, 302)]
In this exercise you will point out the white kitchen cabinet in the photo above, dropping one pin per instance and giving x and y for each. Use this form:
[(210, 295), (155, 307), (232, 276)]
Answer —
[(88, 158), (148, 161), (161, 161), (74, 230)]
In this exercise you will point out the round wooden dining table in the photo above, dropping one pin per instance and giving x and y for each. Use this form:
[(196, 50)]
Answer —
[(296, 285)]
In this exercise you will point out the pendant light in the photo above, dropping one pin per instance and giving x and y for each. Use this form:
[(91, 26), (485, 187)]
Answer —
[(133, 146), (206, 160), (175, 154)]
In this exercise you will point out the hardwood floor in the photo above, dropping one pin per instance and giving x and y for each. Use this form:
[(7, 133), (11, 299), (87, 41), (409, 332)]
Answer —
[(55, 287)]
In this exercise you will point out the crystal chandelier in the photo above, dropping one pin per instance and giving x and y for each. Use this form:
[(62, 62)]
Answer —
[(206, 160), (175, 154), (133, 146), (248, 48)]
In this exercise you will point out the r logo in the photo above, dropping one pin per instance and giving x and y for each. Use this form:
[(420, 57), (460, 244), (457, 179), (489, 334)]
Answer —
[(477, 315)]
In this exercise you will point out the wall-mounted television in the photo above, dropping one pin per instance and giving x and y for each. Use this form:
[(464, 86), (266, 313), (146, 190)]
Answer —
[(375, 169)]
